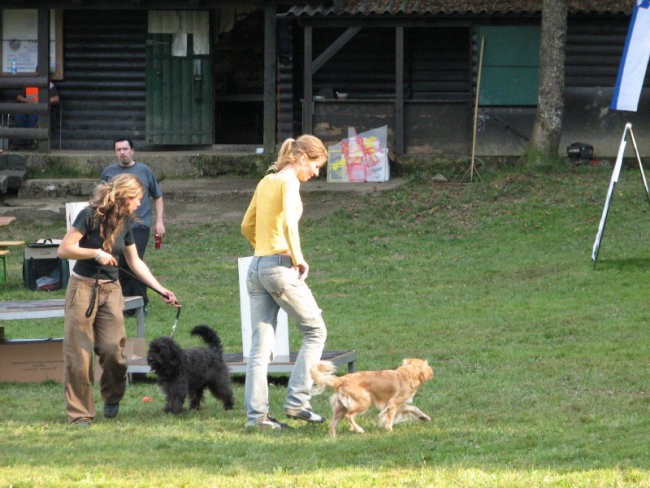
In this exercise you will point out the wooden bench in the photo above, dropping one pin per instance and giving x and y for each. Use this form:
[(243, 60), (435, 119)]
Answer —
[(55, 307), (3, 256), (4, 249), (6, 219)]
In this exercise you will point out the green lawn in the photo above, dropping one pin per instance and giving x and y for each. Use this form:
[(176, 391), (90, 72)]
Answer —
[(541, 362)]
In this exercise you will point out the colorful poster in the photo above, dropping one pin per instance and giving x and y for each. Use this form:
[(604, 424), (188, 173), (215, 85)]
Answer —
[(360, 157), (19, 40)]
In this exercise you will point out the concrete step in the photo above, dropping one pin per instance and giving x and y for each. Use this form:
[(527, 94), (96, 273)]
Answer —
[(172, 164), (48, 188), (11, 179), (12, 161)]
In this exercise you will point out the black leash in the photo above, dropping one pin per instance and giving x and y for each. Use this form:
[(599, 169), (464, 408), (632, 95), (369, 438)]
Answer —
[(178, 310), (93, 295)]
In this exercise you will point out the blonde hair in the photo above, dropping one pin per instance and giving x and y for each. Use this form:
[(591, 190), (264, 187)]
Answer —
[(110, 204), (291, 150)]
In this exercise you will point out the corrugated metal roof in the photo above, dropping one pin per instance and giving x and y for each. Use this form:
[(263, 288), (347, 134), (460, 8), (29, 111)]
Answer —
[(452, 7)]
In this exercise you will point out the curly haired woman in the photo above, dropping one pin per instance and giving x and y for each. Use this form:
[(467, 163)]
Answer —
[(94, 304)]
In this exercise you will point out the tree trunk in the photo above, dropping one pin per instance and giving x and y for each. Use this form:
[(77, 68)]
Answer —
[(545, 139)]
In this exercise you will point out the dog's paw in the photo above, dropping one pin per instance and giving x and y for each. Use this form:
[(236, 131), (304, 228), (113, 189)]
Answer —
[(172, 410)]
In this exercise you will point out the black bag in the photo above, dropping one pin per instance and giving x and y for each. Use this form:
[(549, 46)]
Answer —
[(580, 151), (42, 268)]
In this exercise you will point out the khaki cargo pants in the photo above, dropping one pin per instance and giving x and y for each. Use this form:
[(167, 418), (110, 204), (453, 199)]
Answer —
[(102, 332)]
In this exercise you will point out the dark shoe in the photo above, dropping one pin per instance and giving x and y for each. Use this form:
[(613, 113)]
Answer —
[(81, 423), (306, 415), (111, 409)]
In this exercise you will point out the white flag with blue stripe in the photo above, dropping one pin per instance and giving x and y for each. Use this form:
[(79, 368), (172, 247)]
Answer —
[(634, 61)]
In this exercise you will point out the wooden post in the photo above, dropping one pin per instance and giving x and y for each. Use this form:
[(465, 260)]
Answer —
[(43, 70), (472, 168), (399, 90), (307, 97), (270, 80)]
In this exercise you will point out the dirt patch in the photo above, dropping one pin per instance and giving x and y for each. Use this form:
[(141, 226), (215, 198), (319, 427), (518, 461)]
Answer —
[(226, 199), (231, 208), (193, 200)]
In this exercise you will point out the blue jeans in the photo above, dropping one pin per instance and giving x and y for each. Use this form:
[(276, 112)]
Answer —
[(26, 120), (130, 285), (273, 283)]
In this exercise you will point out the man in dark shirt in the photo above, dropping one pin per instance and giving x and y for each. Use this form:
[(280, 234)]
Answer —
[(142, 222)]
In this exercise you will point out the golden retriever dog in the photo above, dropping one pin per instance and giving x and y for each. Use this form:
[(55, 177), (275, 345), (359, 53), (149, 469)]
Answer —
[(390, 391)]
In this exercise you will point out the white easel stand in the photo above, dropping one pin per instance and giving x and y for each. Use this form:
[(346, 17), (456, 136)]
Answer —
[(72, 209)]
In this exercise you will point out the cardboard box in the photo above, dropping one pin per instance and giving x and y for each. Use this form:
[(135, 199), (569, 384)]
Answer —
[(135, 350), (31, 360), (38, 360)]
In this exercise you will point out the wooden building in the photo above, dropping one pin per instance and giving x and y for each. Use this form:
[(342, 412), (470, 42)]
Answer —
[(198, 73)]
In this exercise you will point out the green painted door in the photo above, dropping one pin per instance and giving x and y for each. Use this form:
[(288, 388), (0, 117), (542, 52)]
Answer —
[(510, 65), (179, 94)]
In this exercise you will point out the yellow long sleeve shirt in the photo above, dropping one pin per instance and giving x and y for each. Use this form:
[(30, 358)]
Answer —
[(271, 220)]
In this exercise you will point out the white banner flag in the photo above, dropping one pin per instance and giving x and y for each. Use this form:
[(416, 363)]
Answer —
[(634, 61)]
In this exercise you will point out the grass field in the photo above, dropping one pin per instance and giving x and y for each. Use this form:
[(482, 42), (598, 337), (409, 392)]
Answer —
[(541, 360)]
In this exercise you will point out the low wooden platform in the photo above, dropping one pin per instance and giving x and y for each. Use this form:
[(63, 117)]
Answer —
[(281, 364), (50, 308)]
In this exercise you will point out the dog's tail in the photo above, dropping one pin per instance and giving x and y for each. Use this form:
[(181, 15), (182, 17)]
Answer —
[(208, 334), (323, 375)]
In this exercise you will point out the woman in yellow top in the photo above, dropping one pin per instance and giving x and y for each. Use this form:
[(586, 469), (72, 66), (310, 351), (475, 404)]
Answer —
[(276, 279)]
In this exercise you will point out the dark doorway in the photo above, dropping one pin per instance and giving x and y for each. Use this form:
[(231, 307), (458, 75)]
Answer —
[(239, 82)]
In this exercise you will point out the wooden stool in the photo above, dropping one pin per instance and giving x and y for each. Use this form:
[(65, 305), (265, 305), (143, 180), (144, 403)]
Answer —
[(4, 245), (3, 256)]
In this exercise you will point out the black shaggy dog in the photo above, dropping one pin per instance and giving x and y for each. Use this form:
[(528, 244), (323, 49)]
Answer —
[(183, 372)]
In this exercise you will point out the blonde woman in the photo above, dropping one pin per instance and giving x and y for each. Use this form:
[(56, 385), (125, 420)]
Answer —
[(94, 304), (276, 279)]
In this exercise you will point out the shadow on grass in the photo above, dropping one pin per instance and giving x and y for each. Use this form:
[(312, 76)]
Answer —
[(629, 264)]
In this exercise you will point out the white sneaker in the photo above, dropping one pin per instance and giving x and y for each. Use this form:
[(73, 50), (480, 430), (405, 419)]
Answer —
[(306, 415), (268, 423)]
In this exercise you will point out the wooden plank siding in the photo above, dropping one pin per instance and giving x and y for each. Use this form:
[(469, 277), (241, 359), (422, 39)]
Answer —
[(103, 94), (288, 106), (440, 61), (593, 53), (432, 67)]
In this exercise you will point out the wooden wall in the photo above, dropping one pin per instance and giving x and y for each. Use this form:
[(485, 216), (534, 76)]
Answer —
[(103, 93)]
